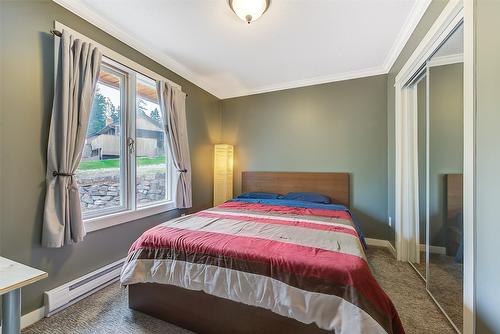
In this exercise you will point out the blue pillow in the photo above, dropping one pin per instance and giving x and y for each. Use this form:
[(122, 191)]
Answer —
[(308, 197), (259, 195)]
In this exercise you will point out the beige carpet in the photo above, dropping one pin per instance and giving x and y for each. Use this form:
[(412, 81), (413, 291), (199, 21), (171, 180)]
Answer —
[(106, 311), (406, 289), (446, 284)]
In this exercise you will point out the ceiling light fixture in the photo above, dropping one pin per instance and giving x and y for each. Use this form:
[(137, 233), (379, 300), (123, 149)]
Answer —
[(249, 10)]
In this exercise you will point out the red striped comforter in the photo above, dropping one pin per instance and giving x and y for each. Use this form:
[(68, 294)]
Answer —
[(307, 264)]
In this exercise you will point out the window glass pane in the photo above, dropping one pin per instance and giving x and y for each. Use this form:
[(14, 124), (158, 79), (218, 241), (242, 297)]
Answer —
[(99, 174), (151, 164)]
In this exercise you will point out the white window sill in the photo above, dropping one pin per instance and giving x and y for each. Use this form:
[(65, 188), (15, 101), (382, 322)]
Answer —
[(98, 223)]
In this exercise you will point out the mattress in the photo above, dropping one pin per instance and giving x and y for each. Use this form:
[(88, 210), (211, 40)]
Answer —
[(300, 260)]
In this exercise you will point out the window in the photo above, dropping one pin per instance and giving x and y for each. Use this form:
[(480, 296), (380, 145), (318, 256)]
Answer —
[(151, 167), (125, 166), (101, 171)]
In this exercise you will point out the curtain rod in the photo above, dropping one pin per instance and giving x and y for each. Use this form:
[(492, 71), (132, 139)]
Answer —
[(55, 32), (59, 34)]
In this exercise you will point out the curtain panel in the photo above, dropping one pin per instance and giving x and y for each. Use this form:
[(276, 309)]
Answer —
[(77, 74), (173, 108)]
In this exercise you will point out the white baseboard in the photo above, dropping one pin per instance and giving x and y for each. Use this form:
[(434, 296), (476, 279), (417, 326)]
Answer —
[(381, 243), (434, 249), (67, 294), (387, 244), (30, 318), (64, 296)]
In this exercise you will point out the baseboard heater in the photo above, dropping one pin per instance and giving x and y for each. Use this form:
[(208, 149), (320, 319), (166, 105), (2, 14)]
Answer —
[(67, 294)]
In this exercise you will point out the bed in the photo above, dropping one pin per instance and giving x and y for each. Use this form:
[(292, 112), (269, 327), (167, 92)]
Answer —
[(262, 265)]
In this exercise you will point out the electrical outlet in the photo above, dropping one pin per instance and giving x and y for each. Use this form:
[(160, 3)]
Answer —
[(390, 221)]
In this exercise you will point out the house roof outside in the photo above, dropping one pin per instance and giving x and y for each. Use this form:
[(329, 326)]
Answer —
[(154, 125)]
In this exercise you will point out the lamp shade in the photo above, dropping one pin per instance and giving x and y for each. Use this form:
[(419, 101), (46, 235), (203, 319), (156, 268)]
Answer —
[(223, 173), (249, 10)]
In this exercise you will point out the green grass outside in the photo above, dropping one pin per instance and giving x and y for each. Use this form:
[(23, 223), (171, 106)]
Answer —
[(115, 163)]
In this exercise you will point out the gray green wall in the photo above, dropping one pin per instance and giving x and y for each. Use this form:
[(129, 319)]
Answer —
[(335, 127), (487, 225), (26, 80), (435, 8)]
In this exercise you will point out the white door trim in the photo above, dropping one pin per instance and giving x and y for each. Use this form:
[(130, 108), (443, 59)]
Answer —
[(453, 14), (469, 166)]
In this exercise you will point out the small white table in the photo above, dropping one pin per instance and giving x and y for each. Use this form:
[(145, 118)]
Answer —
[(13, 276)]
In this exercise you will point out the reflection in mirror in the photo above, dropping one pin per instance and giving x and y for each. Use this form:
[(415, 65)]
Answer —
[(445, 225), (420, 261)]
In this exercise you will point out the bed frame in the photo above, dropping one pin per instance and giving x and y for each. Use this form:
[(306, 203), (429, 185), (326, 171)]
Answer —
[(454, 207), (454, 195), (204, 313), (333, 185)]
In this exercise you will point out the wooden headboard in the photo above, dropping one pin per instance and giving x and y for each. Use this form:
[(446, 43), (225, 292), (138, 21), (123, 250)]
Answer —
[(333, 185), (454, 194)]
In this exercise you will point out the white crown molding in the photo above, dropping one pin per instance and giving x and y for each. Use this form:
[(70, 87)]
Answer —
[(446, 60), (309, 82), (431, 41), (409, 26), (150, 51)]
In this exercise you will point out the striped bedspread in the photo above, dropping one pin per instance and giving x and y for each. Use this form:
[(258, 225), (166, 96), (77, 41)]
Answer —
[(299, 262)]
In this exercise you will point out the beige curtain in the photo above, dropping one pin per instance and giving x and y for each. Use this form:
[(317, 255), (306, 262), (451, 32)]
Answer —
[(76, 79), (173, 108)]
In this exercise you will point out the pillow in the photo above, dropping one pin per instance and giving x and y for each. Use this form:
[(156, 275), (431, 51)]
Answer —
[(259, 195), (308, 197)]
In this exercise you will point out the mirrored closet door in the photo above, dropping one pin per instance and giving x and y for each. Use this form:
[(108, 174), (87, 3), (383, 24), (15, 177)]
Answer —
[(445, 174), (419, 260), (439, 230)]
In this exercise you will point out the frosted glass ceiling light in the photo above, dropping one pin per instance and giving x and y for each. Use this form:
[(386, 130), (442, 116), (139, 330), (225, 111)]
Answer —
[(249, 10)]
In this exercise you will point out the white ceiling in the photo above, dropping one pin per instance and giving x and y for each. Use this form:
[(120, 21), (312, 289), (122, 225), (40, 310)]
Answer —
[(296, 43)]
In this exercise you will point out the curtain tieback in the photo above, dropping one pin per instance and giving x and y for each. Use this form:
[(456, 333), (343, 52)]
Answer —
[(56, 173), (182, 170)]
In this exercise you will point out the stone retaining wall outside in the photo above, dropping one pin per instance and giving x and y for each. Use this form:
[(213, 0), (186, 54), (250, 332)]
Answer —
[(101, 188)]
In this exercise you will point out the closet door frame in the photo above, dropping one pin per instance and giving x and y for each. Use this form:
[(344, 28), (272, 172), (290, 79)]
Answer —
[(414, 255), (406, 203)]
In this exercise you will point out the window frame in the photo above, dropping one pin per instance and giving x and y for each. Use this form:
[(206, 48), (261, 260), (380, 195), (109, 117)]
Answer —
[(169, 189), (124, 157), (129, 211)]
